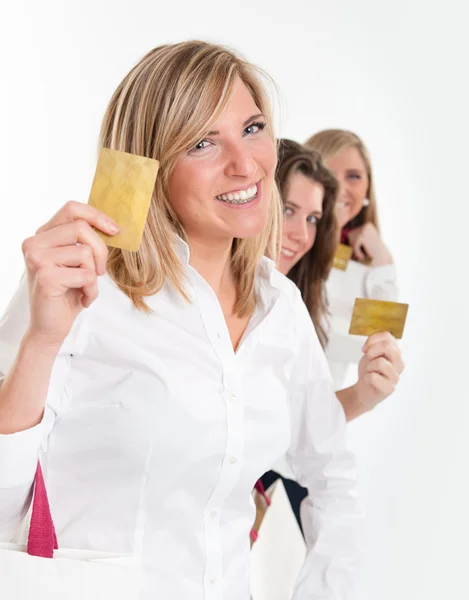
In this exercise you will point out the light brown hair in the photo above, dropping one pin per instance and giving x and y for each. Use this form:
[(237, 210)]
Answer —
[(163, 107)]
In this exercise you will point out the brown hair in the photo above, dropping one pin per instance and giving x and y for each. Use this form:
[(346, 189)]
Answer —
[(331, 142), (311, 271), (163, 107)]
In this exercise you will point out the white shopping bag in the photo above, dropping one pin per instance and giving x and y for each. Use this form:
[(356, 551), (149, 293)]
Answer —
[(40, 571), (279, 551)]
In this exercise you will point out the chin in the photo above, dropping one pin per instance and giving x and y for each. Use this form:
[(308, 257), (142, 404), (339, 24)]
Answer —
[(249, 228), (247, 234), (282, 268)]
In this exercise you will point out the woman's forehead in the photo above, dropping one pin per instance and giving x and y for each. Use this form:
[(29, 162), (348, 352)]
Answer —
[(240, 107)]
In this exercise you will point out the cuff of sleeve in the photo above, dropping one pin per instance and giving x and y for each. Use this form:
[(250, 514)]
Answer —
[(381, 283), (383, 273), (19, 454)]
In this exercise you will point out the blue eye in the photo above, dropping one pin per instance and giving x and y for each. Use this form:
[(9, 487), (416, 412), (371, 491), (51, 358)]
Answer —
[(250, 130), (313, 220), (287, 211), (255, 128), (354, 176), (199, 146)]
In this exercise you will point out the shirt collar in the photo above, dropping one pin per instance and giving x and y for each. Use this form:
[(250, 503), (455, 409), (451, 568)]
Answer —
[(182, 250), (267, 273)]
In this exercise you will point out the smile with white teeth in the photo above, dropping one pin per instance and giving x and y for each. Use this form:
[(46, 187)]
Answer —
[(288, 253), (239, 197)]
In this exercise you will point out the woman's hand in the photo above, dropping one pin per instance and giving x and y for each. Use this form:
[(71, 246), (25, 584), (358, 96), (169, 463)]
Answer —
[(63, 260), (367, 243), (379, 370)]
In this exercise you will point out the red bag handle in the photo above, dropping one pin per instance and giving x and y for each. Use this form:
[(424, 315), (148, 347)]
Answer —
[(42, 540)]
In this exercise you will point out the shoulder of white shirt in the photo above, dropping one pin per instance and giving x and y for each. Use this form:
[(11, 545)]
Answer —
[(268, 271)]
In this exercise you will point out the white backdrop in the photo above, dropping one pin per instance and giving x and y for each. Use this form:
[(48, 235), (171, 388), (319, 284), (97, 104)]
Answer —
[(394, 72)]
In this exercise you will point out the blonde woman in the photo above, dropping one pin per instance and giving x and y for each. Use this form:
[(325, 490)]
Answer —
[(163, 384), (371, 273)]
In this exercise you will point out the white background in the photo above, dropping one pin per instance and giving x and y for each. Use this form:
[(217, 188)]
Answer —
[(394, 72)]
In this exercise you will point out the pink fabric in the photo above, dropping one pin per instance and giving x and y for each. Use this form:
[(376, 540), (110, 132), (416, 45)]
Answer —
[(260, 488), (344, 235), (42, 540)]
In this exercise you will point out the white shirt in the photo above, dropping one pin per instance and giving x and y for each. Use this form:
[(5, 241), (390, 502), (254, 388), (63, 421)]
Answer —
[(278, 553), (343, 287), (156, 428)]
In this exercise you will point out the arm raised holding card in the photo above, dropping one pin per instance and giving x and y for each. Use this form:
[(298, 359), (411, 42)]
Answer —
[(372, 273), (63, 260), (379, 372)]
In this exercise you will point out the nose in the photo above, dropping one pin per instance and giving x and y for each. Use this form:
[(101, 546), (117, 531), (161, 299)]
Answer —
[(343, 193), (298, 231), (240, 161)]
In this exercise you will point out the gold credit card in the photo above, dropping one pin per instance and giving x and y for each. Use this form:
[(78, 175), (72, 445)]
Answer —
[(122, 189), (342, 256), (376, 316)]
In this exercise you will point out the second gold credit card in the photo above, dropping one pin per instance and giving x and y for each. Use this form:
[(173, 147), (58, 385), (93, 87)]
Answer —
[(375, 316)]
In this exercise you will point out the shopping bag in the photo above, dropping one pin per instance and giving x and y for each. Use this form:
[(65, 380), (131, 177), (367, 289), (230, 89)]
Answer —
[(41, 570)]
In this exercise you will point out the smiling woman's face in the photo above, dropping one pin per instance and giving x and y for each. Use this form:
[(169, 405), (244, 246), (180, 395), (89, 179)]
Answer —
[(350, 170), (302, 211), (221, 188)]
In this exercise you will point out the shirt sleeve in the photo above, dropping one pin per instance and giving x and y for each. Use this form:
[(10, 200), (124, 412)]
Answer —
[(319, 458), (19, 451), (380, 283)]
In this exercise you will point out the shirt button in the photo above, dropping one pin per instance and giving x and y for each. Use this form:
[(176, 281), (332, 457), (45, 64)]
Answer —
[(233, 460), (232, 396), (213, 514), (213, 580)]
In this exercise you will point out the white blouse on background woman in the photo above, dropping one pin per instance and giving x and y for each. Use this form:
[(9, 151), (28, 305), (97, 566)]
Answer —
[(343, 287), (279, 552)]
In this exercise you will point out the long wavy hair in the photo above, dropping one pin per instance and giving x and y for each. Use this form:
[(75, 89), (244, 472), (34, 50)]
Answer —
[(312, 270), (163, 107), (331, 142)]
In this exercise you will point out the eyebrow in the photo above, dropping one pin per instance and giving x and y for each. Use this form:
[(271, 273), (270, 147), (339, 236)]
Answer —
[(315, 212), (245, 124)]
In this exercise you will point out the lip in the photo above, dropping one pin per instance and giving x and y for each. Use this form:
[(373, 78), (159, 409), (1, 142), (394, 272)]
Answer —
[(295, 252), (252, 204)]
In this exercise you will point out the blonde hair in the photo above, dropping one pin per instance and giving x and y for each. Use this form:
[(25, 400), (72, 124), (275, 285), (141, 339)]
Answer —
[(164, 107), (331, 142)]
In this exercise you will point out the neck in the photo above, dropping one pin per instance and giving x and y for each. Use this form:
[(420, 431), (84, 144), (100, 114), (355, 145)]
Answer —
[(212, 261), (283, 270)]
